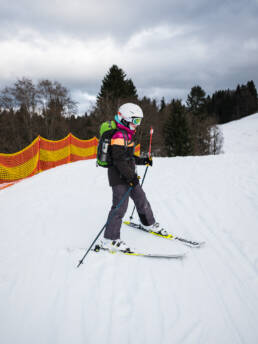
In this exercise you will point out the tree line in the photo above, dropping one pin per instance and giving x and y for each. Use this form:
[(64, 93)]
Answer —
[(47, 109)]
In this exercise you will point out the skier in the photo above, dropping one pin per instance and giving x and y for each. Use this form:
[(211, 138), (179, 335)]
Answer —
[(123, 174)]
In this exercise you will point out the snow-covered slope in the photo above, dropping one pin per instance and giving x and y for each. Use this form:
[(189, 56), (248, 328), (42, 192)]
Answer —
[(209, 297), (241, 136)]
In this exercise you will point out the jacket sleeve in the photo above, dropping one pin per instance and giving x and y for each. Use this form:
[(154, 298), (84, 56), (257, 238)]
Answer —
[(120, 159)]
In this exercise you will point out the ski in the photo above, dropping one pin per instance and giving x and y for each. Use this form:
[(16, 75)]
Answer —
[(98, 248), (169, 236)]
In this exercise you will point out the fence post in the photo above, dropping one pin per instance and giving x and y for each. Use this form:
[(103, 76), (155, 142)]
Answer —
[(69, 147), (38, 167)]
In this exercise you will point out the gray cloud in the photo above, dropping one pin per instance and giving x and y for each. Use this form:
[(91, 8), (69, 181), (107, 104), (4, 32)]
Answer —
[(165, 47)]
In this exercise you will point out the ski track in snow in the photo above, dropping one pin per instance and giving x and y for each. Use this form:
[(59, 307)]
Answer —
[(227, 254), (211, 296)]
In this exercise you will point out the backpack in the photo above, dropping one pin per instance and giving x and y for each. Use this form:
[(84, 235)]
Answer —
[(107, 130)]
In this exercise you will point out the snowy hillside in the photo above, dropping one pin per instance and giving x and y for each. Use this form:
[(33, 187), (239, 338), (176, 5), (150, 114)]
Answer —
[(241, 136), (209, 297)]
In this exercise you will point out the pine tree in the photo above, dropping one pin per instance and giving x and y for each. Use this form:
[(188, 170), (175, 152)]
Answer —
[(162, 104), (253, 100), (115, 86), (115, 90), (196, 101), (176, 131)]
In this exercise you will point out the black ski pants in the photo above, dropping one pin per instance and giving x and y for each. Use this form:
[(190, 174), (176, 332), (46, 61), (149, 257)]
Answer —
[(143, 207)]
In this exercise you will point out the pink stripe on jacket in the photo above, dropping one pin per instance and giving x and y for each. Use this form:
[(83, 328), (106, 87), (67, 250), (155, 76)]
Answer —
[(119, 134)]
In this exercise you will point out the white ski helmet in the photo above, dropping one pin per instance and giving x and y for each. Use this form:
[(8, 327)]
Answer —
[(130, 114)]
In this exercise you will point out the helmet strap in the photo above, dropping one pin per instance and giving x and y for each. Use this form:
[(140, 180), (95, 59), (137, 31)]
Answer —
[(125, 123)]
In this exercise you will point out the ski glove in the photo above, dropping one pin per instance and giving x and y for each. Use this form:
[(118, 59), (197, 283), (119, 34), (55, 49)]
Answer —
[(135, 180), (148, 161)]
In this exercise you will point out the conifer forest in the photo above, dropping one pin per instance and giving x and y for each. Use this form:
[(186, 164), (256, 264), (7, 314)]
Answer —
[(191, 128)]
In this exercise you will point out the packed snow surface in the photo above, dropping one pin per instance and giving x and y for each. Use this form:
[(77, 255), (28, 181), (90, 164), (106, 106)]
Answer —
[(48, 221)]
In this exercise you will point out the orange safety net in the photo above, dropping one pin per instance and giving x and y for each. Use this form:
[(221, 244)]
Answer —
[(21, 164), (43, 154)]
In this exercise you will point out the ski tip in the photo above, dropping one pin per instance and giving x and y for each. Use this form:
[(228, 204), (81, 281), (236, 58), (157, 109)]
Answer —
[(199, 244), (176, 256)]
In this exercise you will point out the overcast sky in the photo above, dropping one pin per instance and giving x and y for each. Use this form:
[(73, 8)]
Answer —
[(164, 46)]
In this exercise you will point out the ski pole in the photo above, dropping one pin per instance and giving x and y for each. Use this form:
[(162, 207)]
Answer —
[(105, 225), (149, 154)]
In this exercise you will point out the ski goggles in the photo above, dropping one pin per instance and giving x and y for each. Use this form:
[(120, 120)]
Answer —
[(136, 120)]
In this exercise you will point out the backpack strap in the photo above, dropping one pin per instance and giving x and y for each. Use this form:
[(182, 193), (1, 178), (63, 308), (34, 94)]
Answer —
[(125, 135)]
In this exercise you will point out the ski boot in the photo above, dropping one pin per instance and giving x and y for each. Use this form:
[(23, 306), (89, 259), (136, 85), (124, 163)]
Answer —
[(115, 245), (156, 228)]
